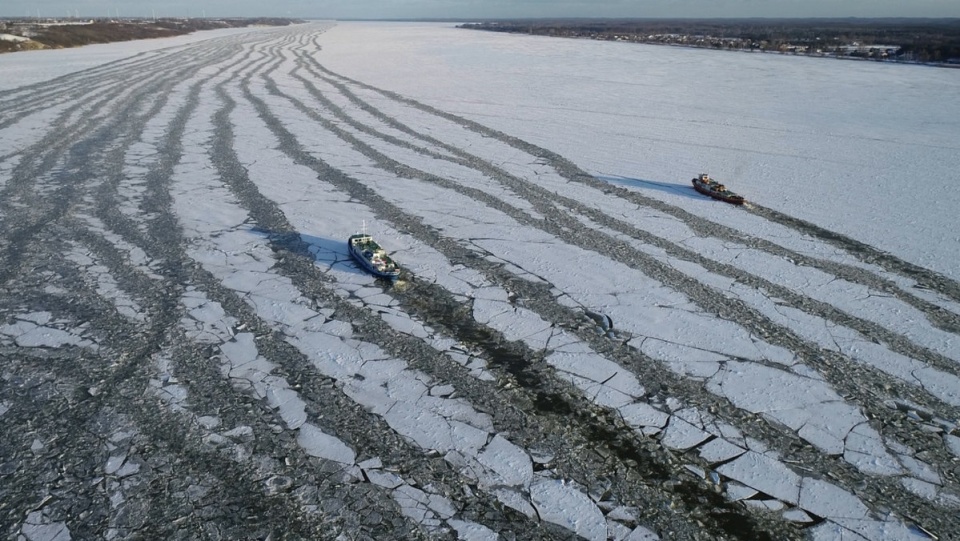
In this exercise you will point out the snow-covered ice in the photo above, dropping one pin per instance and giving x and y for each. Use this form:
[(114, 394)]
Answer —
[(483, 160)]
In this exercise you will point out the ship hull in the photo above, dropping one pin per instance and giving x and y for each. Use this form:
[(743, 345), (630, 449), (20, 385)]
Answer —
[(709, 190), (371, 257)]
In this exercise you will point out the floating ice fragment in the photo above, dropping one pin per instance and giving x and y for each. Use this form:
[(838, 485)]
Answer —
[(714, 477), (441, 506), (471, 531), (128, 469), (682, 435), (278, 484), (797, 515), (921, 532), (371, 463), (40, 318), (514, 500), (241, 349), (38, 528), (510, 462), (113, 464), (920, 469), (921, 488), (873, 529), (412, 502), (616, 531), (641, 414), (830, 501), (696, 471), (642, 534), (208, 421), (29, 335), (764, 474), (291, 407), (316, 443), (953, 443), (821, 438), (765, 504), (243, 432), (215, 440), (624, 513), (866, 451), (719, 450), (441, 390), (383, 478), (560, 503), (809, 406), (541, 457)]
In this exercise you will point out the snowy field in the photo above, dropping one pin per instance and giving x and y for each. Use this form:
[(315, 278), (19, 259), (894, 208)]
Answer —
[(580, 344)]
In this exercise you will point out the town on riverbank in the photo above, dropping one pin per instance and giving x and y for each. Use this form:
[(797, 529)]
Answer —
[(927, 41)]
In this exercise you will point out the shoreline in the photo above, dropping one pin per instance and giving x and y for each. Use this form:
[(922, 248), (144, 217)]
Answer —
[(19, 35)]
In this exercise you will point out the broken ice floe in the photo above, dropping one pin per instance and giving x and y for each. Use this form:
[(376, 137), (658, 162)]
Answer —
[(202, 314), (953, 443), (104, 283), (39, 527), (405, 403), (809, 407), (854, 299), (506, 321), (942, 385), (133, 254), (37, 330), (243, 361)]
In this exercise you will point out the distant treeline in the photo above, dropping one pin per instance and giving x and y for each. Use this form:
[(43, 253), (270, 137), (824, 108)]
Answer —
[(921, 40), (62, 34)]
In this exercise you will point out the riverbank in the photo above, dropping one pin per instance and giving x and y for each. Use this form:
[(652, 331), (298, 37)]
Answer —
[(922, 41), (33, 34)]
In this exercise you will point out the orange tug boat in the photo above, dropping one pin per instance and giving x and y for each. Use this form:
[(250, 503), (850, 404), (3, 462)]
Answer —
[(707, 186)]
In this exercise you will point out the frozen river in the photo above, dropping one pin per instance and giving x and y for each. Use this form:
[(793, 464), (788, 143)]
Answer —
[(579, 345)]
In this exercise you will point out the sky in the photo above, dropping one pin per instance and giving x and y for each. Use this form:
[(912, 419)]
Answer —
[(470, 9)]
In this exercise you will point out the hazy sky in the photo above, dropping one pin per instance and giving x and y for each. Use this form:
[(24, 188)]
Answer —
[(466, 9)]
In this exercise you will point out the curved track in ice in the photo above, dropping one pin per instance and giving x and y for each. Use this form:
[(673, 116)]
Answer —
[(189, 350)]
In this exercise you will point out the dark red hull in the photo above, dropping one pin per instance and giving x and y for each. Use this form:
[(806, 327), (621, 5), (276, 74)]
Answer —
[(725, 196)]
